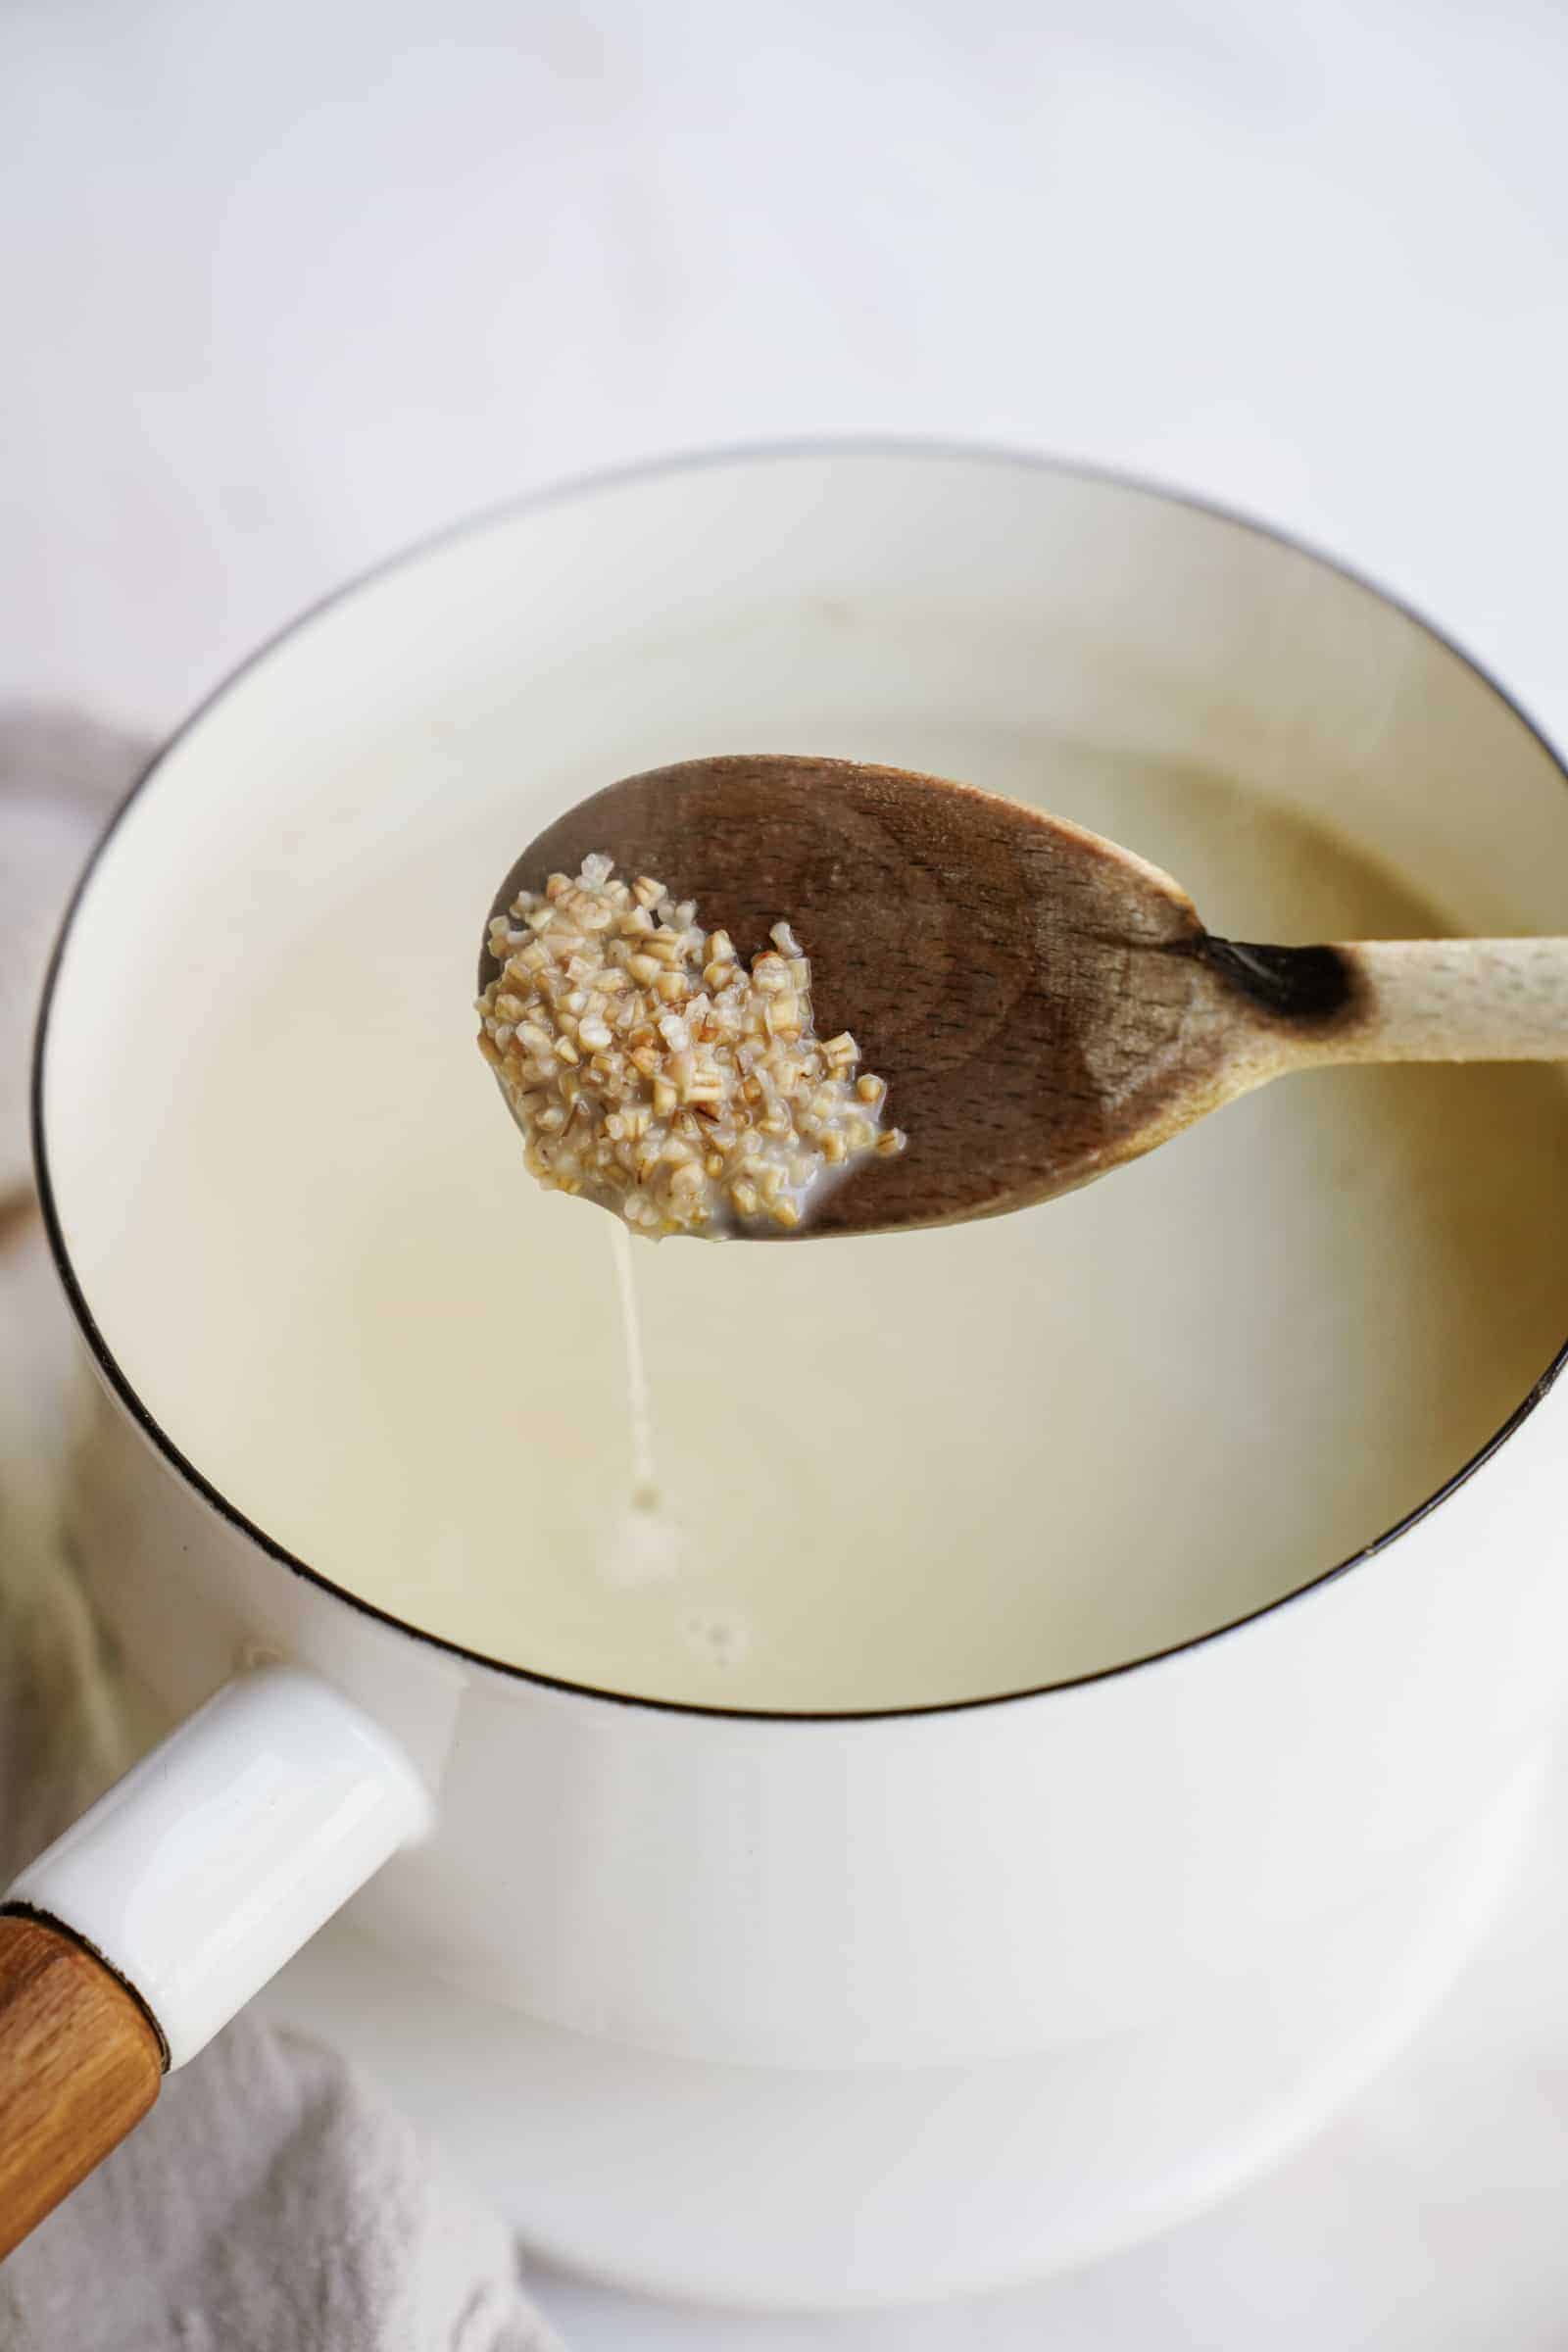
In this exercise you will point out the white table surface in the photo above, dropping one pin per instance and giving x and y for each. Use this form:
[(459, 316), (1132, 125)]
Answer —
[(286, 287)]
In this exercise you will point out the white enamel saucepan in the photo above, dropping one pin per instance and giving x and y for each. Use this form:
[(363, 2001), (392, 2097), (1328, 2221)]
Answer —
[(826, 2004)]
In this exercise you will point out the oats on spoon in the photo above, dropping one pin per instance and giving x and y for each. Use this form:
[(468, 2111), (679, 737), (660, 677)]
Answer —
[(652, 1071)]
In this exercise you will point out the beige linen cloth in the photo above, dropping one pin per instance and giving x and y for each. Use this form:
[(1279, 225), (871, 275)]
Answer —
[(272, 2202)]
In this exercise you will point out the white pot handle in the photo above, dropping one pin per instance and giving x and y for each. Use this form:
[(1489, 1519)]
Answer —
[(191, 1882)]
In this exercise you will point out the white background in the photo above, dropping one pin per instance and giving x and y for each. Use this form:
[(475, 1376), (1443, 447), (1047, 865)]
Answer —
[(283, 287)]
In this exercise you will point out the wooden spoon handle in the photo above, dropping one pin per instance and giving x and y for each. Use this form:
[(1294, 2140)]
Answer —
[(79, 2064), (1454, 1000)]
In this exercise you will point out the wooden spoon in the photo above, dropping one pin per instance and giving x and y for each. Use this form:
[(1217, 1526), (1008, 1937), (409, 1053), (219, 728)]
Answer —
[(1044, 1004)]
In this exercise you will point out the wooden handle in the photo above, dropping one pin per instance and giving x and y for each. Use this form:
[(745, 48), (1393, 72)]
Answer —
[(1453, 1000), (79, 2064)]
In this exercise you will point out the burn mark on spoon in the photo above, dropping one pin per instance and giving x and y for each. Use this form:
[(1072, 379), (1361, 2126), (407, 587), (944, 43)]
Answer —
[(1312, 986)]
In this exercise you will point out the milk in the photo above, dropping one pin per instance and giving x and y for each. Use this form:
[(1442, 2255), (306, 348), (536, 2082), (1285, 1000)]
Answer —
[(900, 1471)]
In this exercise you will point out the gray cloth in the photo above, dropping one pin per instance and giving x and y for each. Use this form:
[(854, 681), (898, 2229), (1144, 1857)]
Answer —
[(272, 2202)]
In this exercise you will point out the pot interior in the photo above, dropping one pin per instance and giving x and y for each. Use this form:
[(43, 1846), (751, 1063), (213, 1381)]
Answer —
[(910, 1471)]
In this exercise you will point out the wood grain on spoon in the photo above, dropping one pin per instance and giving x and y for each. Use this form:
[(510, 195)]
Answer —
[(1044, 1004)]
